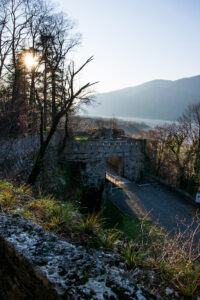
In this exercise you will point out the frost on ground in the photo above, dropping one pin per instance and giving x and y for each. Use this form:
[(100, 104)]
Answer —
[(42, 265)]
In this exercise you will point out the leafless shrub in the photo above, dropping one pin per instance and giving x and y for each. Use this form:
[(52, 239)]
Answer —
[(176, 257)]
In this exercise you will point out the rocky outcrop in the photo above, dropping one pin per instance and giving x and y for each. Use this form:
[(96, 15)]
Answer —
[(37, 265)]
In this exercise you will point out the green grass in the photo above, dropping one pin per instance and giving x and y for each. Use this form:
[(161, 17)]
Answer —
[(150, 246), (81, 138), (140, 242), (110, 238), (46, 211), (90, 224), (133, 227), (115, 219), (134, 256)]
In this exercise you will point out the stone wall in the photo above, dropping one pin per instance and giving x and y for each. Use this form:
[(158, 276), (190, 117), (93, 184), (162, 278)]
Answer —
[(37, 265), (92, 177), (17, 157), (134, 163), (92, 157), (102, 148), (17, 154)]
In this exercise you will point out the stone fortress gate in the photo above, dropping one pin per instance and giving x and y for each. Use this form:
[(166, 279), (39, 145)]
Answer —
[(93, 156), (89, 159)]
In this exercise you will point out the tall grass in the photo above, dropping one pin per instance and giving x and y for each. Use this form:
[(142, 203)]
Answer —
[(90, 224), (175, 258), (44, 210)]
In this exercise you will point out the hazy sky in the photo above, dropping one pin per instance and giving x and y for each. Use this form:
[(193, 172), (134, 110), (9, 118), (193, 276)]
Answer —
[(134, 41)]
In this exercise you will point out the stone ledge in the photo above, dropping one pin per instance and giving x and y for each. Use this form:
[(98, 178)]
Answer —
[(37, 265)]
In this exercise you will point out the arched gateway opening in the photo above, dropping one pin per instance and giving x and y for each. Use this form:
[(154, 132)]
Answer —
[(115, 165)]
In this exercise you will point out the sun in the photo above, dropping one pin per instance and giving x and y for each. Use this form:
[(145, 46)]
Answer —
[(30, 61)]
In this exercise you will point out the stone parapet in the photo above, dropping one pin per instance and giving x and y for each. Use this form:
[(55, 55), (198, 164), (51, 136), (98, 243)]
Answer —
[(102, 148), (37, 265)]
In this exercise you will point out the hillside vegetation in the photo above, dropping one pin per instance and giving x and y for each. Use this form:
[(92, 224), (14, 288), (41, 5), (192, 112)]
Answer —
[(166, 266)]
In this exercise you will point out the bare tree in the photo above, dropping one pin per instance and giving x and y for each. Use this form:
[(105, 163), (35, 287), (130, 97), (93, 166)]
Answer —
[(176, 141), (157, 149), (190, 119), (71, 96), (175, 150), (48, 92), (5, 44), (36, 14)]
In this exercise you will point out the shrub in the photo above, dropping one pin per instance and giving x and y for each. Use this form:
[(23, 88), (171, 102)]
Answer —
[(90, 224), (110, 238), (134, 256), (11, 196)]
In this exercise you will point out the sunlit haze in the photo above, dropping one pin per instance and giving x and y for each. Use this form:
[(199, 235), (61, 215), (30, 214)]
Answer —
[(134, 41), (30, 61)]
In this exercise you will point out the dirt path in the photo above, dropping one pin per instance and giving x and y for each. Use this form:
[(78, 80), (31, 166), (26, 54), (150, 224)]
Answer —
[(162, 205)]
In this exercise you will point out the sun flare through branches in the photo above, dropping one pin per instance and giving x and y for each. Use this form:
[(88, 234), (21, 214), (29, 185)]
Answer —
[(30, 60)]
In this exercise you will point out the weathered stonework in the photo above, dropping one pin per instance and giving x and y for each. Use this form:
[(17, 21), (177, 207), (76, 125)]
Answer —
[(17, 157), (92, 156), (37, 265), (90, 152), (102, 148), (17, 154)]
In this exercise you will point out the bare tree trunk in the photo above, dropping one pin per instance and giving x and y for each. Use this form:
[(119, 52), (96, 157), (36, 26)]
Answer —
[(197, 160), (66, 135), (43, 147), (53, 82), (66, 105), (45, 96), (32, 89)]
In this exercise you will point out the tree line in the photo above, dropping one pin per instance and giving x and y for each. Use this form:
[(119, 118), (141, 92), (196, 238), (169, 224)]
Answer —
[(174, 150), (38, 78)]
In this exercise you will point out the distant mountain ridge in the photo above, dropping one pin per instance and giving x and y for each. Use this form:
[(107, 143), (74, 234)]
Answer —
[(157, 99)]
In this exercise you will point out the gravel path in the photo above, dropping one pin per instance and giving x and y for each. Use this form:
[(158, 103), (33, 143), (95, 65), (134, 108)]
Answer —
[(154, 200)]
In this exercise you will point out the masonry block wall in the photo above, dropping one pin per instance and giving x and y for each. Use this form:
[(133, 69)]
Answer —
[(94, 154), (17, 156)]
